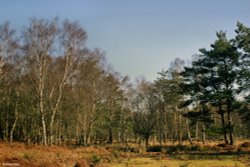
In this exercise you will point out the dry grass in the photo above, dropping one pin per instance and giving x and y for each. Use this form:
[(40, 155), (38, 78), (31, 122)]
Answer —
[(38, 156), (19, 154)]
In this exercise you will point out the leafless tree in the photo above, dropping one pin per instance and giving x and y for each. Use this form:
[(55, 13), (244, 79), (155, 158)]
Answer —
[(39, 42)]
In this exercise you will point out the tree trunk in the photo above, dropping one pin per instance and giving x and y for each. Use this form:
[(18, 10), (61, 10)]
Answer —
[(59, 97), (41, 83), (89, 132), (110, 135), (14, 124), (203, 133), (223, 124), (175, 128), (188, 132), (44, 127), (6, 131), (230, 128), (230, 122), (146, 141), (93, 111), (110, 122), (197, 131), (179, 129), (59, 130), (224, 128)]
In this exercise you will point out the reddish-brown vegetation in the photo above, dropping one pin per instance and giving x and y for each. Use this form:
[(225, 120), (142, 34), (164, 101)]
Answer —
[(39, 156), (19, 154)]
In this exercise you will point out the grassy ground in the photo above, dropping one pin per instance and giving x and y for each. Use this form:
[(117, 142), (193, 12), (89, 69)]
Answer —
[(211, 155), (149, 162)]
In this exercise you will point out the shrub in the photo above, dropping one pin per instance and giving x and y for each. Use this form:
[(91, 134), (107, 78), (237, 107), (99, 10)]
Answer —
[(222, 145), (28, 155), (134, 150), (154, 148), (178, 148), (245, 144), (94, 160), (172, 149), (115, 153)]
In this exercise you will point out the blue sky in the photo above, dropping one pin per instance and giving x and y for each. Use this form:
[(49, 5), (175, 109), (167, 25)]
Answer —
[(140, 37)]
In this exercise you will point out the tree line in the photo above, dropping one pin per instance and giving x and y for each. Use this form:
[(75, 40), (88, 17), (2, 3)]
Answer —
[(55, 90)]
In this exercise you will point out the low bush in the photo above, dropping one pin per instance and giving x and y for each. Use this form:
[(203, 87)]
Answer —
[(245, 144), (28, 155), (135, 150), (94, 160), (155, 148), (126, 149), (172, 149)]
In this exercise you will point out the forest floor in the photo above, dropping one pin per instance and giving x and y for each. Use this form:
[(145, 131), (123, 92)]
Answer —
[(169, 155)]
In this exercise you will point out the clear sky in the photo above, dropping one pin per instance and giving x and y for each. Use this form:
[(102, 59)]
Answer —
[(140, 37)]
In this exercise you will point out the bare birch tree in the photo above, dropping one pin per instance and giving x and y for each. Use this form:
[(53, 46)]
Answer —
[(39, 40), (72, 40)]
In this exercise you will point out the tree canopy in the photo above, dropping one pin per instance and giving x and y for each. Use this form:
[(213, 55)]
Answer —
[(55, 90)]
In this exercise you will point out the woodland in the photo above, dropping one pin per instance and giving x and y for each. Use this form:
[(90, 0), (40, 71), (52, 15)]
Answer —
[(56, 91)]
